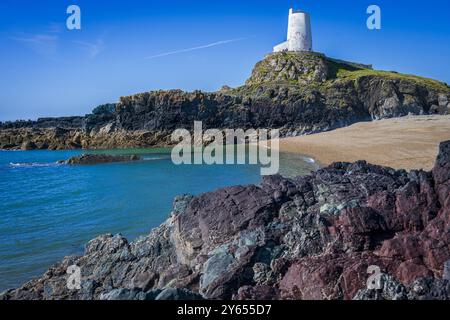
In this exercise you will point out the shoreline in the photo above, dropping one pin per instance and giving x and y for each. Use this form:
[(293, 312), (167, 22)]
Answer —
[(195, 254), (409, 143)]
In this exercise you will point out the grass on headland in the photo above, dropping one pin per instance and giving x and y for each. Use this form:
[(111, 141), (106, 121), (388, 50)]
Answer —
[(355, 74)]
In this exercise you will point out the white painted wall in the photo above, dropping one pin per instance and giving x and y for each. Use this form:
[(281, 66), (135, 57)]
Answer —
[(299, 37)]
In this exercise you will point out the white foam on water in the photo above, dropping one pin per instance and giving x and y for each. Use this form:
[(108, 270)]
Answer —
[(155, 158), (34, 165), (309, 160)]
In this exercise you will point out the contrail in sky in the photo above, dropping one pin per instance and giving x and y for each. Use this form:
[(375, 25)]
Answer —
[(214, 44)]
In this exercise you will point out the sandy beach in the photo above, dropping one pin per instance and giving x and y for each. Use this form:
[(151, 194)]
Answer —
[(401, 143)]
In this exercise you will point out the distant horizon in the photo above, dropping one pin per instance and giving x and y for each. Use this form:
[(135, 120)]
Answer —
[(126, 48)]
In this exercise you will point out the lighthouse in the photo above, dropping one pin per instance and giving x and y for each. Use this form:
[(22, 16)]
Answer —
[(299, 37)]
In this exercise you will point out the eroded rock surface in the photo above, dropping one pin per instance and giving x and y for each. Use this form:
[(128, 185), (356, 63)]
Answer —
[(311, 237)]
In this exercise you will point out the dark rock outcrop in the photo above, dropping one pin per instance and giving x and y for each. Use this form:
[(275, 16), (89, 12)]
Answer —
[(42, 123), (311, 237), (90, 159), (298, 93)]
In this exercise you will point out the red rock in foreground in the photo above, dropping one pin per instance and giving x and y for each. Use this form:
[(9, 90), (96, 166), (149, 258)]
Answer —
[(312, 237)]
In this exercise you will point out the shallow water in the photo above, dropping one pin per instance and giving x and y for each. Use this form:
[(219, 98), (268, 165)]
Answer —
[(48, 210)]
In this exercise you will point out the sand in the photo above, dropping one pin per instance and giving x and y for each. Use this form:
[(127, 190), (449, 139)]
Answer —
[(403, 143)]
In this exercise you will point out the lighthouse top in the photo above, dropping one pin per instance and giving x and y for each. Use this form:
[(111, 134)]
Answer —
[(299, 37)]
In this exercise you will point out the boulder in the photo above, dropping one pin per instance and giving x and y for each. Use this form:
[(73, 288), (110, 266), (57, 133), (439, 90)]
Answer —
[(90, 159), (28, 145)]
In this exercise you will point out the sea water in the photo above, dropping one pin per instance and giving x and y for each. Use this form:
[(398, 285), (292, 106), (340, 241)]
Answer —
[(49, 210)]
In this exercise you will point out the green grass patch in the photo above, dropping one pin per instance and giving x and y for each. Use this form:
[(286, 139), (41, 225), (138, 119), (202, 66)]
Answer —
[(343, 73)]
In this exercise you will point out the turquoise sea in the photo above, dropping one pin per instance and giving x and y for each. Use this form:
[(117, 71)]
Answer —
[(49, 211)]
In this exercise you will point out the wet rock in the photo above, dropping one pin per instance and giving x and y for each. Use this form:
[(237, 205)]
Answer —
[(443, 100), (446, 275), (90, 159), (262, 273)]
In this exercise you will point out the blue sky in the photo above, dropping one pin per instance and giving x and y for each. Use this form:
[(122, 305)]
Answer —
[(47, 70)]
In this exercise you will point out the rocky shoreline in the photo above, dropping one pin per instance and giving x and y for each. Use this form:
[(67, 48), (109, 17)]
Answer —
[(298, 93), (310, 237)]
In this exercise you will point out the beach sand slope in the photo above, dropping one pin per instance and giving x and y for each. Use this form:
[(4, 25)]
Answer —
[(402, 143)]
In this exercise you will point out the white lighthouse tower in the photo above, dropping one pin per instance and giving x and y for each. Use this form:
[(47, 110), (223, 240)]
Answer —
[(299, 36)]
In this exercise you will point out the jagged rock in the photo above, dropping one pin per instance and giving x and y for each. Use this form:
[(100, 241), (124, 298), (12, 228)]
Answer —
[(390, 289), (446, 275), (109, 108), (128, 294), (225, 89), (264, 293), (443, 100), (311, 237), (28, 145), (295, 67), (90, 159), (430, 289), (144, 281)]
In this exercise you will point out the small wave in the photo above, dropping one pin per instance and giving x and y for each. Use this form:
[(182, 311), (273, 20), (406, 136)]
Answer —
[(34, 165), (155, 158), (309, 160)]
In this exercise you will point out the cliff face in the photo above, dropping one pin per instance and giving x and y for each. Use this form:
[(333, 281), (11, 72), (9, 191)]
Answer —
[(299, 93), (311, 237)]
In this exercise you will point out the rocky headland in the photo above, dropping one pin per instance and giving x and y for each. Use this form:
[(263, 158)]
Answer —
[(299, 93), (311, 237)]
